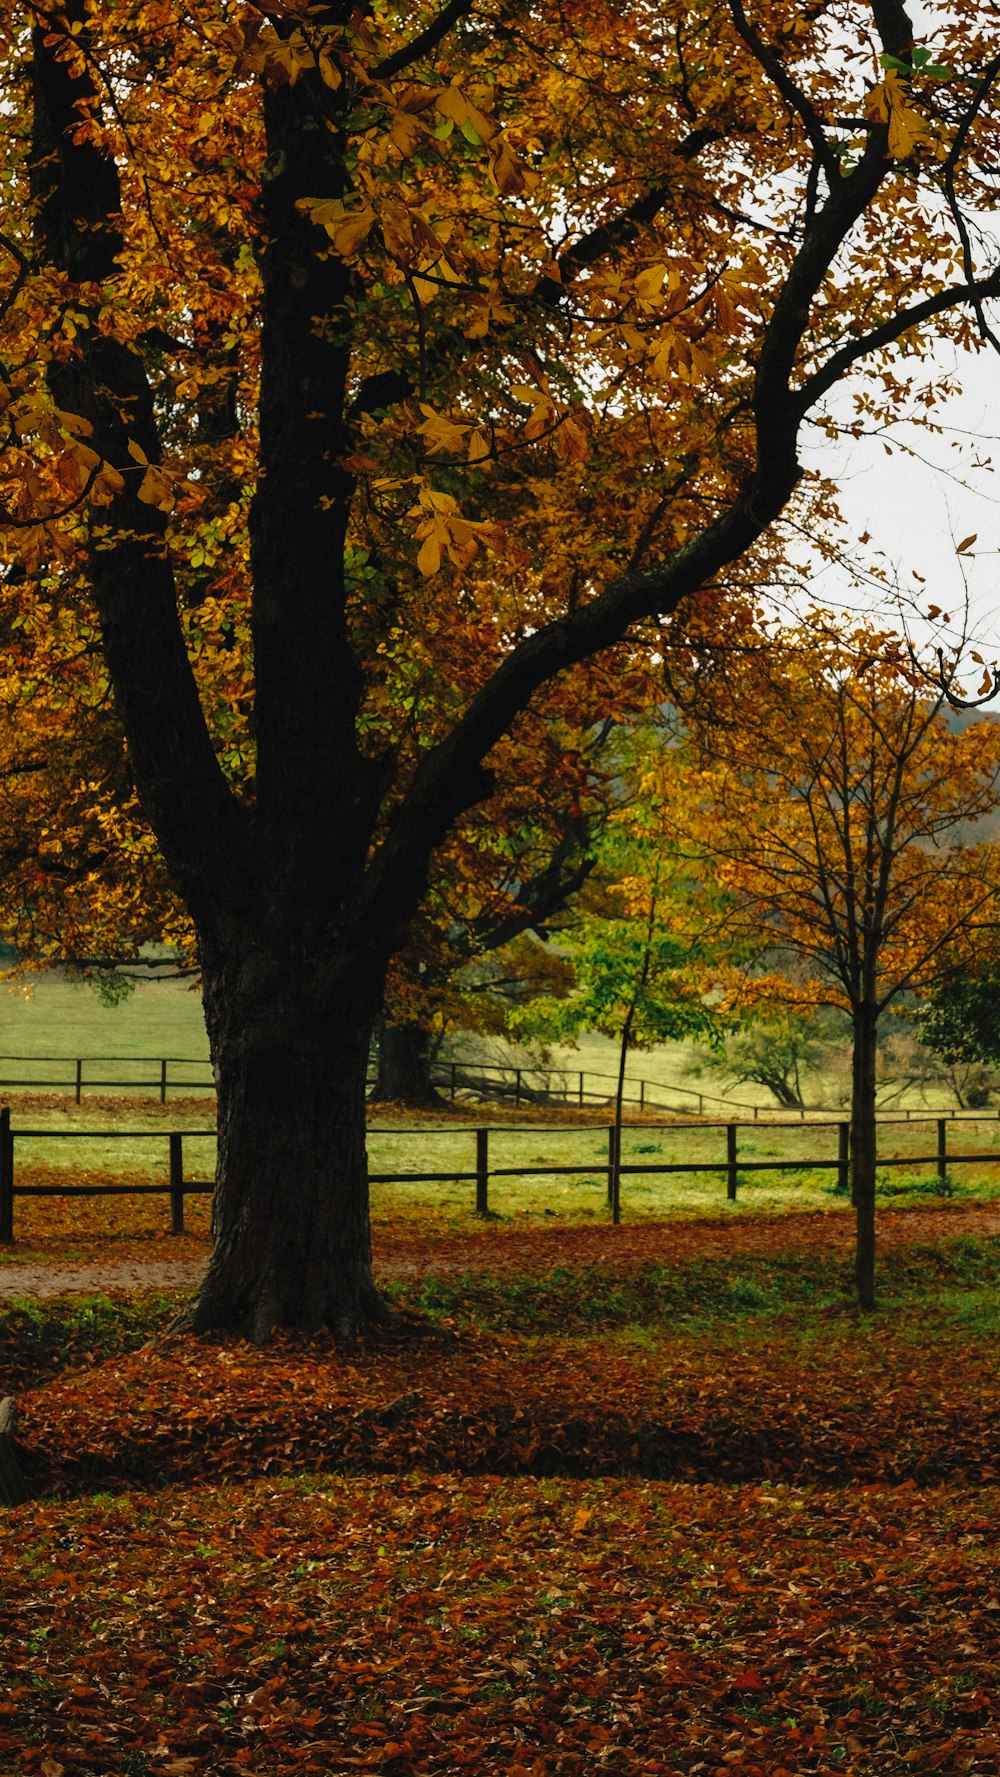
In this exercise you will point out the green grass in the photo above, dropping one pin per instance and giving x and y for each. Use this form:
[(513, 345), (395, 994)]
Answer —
[(42, 1338), (955, 1280), (584, 1196), (65, 1017), (102, 1152), (55, 1014)]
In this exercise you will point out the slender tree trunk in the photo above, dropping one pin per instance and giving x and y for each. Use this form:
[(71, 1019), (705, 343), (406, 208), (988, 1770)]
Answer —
[(616, 1158), (291, 1239), (863, 1152), (404, 1058)]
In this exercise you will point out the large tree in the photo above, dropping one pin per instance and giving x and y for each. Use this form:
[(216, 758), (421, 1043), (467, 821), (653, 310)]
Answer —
[(559, 285)]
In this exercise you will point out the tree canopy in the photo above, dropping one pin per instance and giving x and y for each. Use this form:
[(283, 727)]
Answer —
[(832, 795)]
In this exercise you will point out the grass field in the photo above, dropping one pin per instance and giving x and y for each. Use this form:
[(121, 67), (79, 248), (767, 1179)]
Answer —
[(55, 1015)]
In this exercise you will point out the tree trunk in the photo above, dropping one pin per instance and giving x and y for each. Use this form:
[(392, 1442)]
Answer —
[(13, 1491), (788, 1096), (404, 1058), (290, 1224), (863, 1152)]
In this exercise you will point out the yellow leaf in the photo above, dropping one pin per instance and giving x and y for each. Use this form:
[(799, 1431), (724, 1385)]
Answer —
[(353, 231), (155, 490), (906, 127), (454, 104), (649, 283), (107, 483), (329, 70), (479, 446), (440, 432), (876, 105), (406, 131), (137, 453), (572, 442), (429, 557), (725, 314), (511, 178), (541, 419)]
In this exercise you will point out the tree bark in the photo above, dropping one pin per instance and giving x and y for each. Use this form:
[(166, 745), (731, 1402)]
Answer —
[(404, 1058), (290, 1217), (863, 1151)]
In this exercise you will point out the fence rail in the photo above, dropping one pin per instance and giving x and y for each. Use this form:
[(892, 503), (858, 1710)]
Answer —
[(177, 1186), (523, 1085)]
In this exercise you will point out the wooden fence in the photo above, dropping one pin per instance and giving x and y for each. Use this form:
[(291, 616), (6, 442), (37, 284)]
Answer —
[(480, 1171), (75, 1079), (522, 1085), (136, 1074)]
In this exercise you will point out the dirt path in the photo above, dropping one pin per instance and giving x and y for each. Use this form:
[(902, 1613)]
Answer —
[(494, 1248)]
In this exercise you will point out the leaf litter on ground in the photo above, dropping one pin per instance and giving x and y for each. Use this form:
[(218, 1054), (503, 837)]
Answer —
[(755, 1545), (441, 1624)]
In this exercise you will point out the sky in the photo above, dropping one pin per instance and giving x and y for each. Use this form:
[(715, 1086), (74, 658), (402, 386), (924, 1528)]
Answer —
[(920, 502)]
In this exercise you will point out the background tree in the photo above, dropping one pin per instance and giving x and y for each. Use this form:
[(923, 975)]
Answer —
[(475, 949), (959, 1019), (773, 1049), (516, 321), (830, 781), (639, 950)]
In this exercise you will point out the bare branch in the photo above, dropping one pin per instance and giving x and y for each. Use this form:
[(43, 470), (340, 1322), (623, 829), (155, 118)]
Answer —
[(955, 152)]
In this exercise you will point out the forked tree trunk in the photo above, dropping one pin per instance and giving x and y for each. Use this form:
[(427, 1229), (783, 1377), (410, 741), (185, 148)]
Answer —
[(290, 1218), (863, 1152)]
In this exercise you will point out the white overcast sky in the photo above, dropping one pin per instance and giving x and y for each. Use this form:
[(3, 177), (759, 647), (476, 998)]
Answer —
[(918, 503)]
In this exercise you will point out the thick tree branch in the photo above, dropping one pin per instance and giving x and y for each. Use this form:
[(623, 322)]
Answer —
[(954, 155), (425, 42), (840, 361), (451, 777), (620, 230), (180, 781)]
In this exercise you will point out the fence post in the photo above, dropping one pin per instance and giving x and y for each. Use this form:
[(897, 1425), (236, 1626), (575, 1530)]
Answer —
[(454, 1081), (6, 1177), (581, 1092), (163, 1082), (731, 1162), (942, 1149), (79, 1081), (176, 1185), (844, 1157), (482, 1172), (517, 1085), (642, 1095)]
